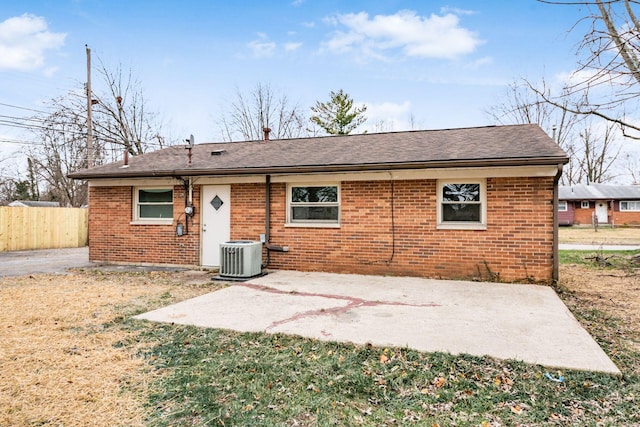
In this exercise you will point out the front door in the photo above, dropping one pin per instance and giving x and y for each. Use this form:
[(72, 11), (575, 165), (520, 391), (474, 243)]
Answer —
[(601, 212), (216, 222)]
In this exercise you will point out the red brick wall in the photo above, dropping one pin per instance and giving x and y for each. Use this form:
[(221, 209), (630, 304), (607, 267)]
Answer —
[(112, 237), (583, 215), (516, 245), (247, 211)]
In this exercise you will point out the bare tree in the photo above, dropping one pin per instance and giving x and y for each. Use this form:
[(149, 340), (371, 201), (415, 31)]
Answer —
[(522, 105), (262, 108), (62, 150), (599, 153), (592, 153), (121, 118), (632, 167), (607, 78), (121, 122), (14, 186)]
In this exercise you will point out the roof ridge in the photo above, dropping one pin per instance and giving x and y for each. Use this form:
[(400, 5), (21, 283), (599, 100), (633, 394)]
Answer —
[(371, 133)]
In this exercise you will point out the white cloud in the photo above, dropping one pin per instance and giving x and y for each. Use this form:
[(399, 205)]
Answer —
[(50, 71), (24, 40), (292, 46), (480, 62), (434, 36), (387, 116), (456, 11), (579, 77), (262, 47)]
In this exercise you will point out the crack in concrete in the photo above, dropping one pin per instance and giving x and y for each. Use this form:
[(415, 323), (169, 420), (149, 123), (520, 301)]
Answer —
[(352, 303)]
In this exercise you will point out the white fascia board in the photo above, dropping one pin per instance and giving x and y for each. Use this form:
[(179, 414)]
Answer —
[(133, 182), (401, 174)]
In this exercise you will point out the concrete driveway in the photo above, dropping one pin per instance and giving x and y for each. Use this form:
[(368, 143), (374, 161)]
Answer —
[(507, 321), (57, 261)]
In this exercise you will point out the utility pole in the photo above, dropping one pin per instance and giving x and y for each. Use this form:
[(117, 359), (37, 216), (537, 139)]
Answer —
[(89, 119)]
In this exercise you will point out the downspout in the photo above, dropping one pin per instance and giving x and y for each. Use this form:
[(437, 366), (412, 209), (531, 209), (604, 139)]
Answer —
[(267, 217), (556, 262), (267, 225)]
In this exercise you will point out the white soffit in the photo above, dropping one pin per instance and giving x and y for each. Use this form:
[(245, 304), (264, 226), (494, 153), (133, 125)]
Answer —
[(404, 174)]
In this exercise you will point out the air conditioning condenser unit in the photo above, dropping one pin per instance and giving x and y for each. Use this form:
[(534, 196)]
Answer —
[(240, 258)]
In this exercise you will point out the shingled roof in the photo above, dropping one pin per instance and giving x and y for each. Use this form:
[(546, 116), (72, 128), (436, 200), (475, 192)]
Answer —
[(599, 192), (515, 145)]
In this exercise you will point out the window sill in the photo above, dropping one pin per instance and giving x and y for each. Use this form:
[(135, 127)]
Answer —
[(310, 225), (461, 226), (152, 222)]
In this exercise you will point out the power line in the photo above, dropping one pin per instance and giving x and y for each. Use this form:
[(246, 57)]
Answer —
[(19, 141), (35, 121), (33, 127), (24, 108)]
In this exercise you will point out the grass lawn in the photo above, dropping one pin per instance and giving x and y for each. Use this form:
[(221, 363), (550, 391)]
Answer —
[(213, 377), (71, 354)]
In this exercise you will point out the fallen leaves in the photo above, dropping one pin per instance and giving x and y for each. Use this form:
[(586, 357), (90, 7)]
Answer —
[(516, 409), (439, 382)]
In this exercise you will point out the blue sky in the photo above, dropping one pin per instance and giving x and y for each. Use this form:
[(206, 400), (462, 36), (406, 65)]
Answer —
[(441, 62)]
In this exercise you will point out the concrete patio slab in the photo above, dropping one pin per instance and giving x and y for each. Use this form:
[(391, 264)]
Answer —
[(507, 321)]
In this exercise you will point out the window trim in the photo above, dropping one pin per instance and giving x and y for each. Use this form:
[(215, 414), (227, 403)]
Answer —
[(583, 203), (563, 206), (312, 223), (637, 202), (462, 225), (151, 221)]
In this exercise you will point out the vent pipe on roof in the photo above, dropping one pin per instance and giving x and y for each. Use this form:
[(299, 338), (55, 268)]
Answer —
[(126, 159), (266, 133)]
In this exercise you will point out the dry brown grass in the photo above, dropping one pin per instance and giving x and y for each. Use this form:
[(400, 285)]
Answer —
[(614, 291), (59, 364), (603, 236)]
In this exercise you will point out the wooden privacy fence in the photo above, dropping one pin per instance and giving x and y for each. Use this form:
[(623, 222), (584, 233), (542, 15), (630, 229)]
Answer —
[(24, 228)]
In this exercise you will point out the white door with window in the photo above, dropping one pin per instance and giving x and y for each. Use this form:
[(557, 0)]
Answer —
[(601, 212), (216, 222)]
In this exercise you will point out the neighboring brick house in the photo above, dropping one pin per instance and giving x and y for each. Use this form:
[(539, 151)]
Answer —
[(583, 204), (471, 203)]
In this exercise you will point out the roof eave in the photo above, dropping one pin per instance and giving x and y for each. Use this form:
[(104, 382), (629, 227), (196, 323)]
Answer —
[(537, 161)]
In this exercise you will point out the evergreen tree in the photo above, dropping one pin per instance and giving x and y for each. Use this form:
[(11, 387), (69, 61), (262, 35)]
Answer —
[(338, 116)]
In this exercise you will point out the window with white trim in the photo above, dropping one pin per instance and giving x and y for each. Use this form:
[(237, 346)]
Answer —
[(562, 206), (313, 204), (153, 205), (584, 204), (462, 204), (630, 205)]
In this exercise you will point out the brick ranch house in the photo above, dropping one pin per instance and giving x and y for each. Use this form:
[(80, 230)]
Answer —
[(583, 204), (470, 203)]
